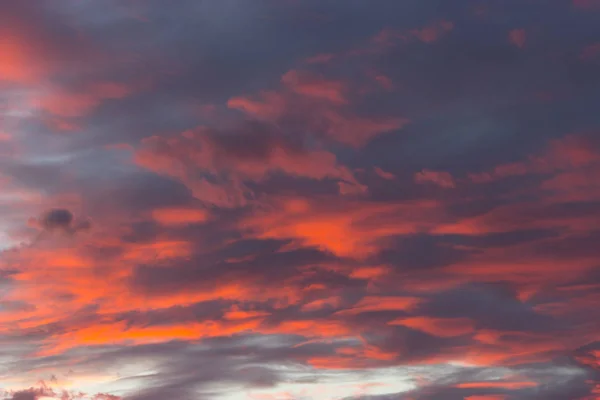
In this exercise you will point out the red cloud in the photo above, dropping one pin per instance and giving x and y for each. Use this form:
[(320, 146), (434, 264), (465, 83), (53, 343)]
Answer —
[(347, 229), (504, 384), (179, 216)]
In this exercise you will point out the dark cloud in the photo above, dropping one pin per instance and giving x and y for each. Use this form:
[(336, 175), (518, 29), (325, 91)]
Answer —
[(32, 393), (60, 219), (422, 252), (57, 219), (254, 140), (202, 272), (490, 306)]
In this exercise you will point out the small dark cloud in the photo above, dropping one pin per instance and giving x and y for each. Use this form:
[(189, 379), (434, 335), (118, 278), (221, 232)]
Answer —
[(62, 220), (57, 218)]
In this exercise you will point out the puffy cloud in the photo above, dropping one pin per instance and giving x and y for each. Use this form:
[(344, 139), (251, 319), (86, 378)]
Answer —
[(60, 219), (309, 102), (57, 219), (518, 37), (233, 159), (439, 178)]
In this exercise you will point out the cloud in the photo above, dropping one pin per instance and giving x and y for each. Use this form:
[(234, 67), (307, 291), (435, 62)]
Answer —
[(518, 37), (60, 219), (315, 86), (344, 228), (587, 4), (309, 102), (432, 33), (57, 219), (590, 52), (36, 44), (384, 174), (62, 103), (439, 178), (298, 200), (252, 154)]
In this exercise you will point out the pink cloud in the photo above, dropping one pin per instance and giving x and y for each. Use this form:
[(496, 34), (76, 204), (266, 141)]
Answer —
[(433, 32), (518, 37), (384, 174), (587, 4), (571, 152), (315, 86), (333, 118), (67, 103), (440, 178), (183, 156)]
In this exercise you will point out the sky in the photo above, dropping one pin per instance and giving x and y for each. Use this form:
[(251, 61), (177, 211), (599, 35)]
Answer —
[(299, 199)]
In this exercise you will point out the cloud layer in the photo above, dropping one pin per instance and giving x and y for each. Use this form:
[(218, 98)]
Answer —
[(362, 200)]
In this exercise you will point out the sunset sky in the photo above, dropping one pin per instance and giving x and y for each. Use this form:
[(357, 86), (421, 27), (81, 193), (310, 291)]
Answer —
[(299, 199)]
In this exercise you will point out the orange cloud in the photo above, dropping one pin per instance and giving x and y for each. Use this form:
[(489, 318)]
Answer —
[(347, 229), (144, 275), (499, 384), (179, 216), (120, 333), (17, 63), (333, 302)]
